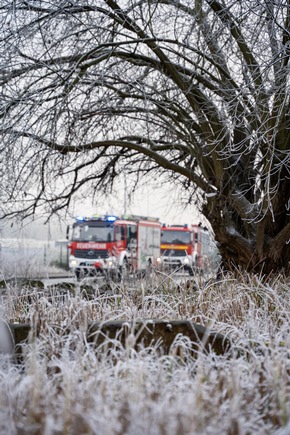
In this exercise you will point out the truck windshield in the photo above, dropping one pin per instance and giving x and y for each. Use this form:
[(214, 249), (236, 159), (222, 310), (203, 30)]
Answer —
[(175, 237), (89, 233)]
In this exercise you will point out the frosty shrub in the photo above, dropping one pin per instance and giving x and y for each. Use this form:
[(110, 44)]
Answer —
[(65, 386)]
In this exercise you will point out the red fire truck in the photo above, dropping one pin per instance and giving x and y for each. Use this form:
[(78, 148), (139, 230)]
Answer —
[(185, 248), (112, 244)]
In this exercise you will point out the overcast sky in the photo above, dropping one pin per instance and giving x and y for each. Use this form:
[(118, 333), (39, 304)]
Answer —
[(159, 201)]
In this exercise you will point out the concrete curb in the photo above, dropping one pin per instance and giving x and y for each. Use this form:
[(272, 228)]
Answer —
[(169, 336)]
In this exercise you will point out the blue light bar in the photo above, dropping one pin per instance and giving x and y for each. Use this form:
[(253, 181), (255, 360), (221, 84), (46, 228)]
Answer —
[(111, 218), (80, 218)]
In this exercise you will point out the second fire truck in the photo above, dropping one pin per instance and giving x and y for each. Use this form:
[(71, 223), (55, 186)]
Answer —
[(112, 244), (185, 247)]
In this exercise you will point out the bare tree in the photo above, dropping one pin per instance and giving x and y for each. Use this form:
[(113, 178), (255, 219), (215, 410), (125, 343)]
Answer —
[(197, 90)]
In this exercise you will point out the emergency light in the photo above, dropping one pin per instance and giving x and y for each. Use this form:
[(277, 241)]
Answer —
[(97, 218), (111, 218)]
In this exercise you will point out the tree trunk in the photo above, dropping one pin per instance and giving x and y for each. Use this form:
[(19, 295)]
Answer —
[(261, 246)]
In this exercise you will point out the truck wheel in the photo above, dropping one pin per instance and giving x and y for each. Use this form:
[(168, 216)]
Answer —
[(147, 273), (191, 270), (123, 270)]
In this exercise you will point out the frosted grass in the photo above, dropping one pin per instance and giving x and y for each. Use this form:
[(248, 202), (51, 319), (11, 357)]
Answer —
[(66, 387)]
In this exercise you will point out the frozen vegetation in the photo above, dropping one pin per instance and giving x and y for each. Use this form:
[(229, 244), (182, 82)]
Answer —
[(65, 386)]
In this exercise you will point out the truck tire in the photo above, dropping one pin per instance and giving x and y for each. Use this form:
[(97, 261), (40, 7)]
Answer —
[(192, 269), (123, 271)]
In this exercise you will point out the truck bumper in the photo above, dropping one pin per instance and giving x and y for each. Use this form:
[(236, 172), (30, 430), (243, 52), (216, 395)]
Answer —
[(171, 264)]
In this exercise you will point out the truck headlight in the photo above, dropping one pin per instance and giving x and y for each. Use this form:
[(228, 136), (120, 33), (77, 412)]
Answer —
[(73, 263), (186, 261)]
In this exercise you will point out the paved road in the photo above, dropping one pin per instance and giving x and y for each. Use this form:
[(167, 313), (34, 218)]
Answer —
[(57, 278), (179, 278)]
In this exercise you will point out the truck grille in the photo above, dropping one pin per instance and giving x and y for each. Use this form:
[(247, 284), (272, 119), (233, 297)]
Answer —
[(173, 252), (91, 253), (172, 262)]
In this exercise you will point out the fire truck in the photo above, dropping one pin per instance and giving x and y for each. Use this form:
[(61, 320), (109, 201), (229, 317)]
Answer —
[(185, 247), (113, 245)]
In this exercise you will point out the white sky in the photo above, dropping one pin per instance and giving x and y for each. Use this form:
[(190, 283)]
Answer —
[(159, 201)]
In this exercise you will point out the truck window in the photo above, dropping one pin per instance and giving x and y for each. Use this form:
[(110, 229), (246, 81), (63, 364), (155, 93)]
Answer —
[(131, 236), (117, 233), (175, 237), (131, 232), (92, 231), (120, 233)]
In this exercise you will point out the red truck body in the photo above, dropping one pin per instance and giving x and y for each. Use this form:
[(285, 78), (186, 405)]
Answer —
[(185, 247), (108, 243)]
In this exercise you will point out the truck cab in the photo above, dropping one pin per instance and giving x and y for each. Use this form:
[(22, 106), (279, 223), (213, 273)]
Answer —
[(184, 248), (103, 244), (177, 248)]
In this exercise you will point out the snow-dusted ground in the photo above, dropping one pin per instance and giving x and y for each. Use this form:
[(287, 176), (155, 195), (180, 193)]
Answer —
[(67, 387), (29, 257)]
